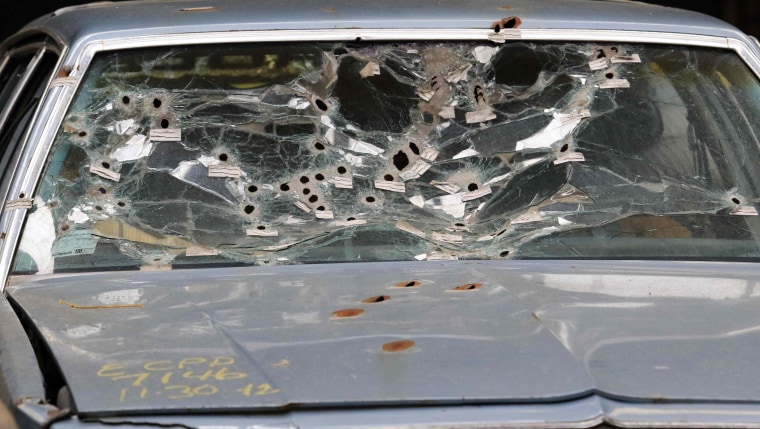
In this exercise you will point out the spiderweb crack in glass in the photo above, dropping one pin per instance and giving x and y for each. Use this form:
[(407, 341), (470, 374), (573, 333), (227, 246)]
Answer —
[(304, 153)]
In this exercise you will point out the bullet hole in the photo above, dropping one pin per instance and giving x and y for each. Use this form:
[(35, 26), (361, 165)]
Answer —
[(261, 227), (121, 204), (313, 199), (601, 54), (504, 254), (614, 49), (321, 208), (164, 123), (64, 227), (472, 187), (414, 148), (510, 22), (82, 134), (460, 224), (342, 170), (223, 157), (736, 200), (105, 164), (609, 75), (398, 346), (285, 187), (320, 104), (249, 209), (358, 39), (102, 190), (351, 219), (428, 117), (469, 286), (370, 199), (478, 93), (388, 177), (252, 188), (98, 208), (304, 179), (501, 232), (379, 298), (413, 283), (349, 312), (125, 99), (564, 148), (306, 191), (400, 160), (319, 176), (156, 103), (22, 195), (319, 146)]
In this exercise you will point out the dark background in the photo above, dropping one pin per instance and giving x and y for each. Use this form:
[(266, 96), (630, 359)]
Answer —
[(744, 14)]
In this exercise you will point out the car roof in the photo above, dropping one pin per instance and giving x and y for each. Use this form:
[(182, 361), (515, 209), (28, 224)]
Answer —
[(113, 20)]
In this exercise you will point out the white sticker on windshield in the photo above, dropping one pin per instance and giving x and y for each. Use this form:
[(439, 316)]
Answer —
[(598, 64), (569, 157), (447, 187), (303, 206), (166, 135), (105, 173), (416, 170), (201, 251), (261, 232), (615, 83), (626, 59), (221, 170), (19, 204), (390, 186), (324, 214), (478, 193), (446, 238), (343, 182), (352, 222), (482, 115)]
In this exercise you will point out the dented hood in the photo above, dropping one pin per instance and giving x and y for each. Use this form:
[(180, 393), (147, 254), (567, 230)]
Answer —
[(399, 333)]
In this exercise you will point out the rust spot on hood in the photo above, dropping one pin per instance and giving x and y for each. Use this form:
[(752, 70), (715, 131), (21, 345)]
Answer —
[(412, 283), (468, 286), (398, 346), (344, 314), (374, 299)]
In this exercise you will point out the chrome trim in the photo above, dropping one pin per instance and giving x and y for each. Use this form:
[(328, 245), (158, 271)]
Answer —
[(31, 164), (31, 67), (20, 165), (4, 62)]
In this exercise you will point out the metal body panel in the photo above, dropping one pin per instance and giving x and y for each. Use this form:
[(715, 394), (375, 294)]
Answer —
[(19, 372), (142, 17), (641, 331)]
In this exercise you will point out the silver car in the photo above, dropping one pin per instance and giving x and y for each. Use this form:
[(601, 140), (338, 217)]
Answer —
[(283, 214)]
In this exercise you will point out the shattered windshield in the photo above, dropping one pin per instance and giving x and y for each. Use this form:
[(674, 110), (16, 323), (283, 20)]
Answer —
[(313, 153)]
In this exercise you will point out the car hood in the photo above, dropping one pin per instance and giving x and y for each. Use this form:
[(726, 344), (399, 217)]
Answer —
[(367, 334)]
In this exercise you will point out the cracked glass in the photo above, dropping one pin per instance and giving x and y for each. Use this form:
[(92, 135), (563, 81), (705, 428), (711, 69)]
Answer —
[(198, 156)]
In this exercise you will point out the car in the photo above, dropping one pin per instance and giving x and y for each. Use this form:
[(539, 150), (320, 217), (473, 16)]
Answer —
[(388, 214)]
